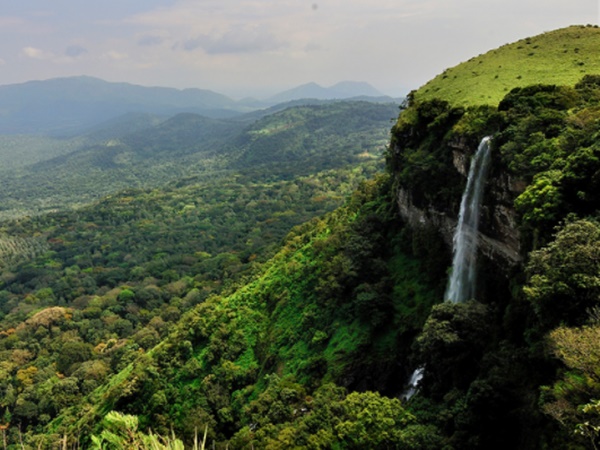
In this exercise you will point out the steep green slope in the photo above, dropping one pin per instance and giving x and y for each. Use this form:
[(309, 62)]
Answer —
[(558, 57), (89, 291), (340, 302)]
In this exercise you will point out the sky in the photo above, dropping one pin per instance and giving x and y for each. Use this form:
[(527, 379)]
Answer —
[(261, 47)]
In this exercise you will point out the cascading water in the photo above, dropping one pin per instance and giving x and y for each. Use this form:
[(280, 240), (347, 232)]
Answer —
[(461, 284), (413, 383)]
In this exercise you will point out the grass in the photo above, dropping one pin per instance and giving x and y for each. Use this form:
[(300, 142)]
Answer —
[(560, 57)]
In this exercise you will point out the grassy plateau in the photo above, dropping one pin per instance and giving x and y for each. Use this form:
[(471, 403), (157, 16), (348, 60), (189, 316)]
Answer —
[(560, 57)]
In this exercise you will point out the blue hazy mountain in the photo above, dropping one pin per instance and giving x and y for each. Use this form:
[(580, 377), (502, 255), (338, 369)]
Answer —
[(342, 90), (70, 106), (66, 106)]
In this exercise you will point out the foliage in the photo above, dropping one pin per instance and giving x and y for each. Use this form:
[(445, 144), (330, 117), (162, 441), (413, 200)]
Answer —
[(120, 432), (419, 154), (331, 418), (572, 399), (564, 276), (300, 140), (124, 272), (453, 339), (549, 141), (134, 272), (218, 357), (327, 135)]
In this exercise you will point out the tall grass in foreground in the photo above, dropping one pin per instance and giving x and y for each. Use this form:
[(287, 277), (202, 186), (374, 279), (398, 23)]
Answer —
[(120, 432)]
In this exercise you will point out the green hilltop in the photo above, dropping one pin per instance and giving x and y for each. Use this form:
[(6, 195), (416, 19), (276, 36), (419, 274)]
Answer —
[(560, 57)]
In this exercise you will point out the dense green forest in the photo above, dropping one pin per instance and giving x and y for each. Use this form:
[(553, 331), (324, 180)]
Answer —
[(144, 152), (109, 281), (275, 298)]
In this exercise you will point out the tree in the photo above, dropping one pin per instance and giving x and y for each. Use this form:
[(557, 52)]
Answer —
[(71, 354), (564, 276), (332, 419), (572, 401), (452, 342)]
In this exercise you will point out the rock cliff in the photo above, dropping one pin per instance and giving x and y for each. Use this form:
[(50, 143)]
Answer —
[(499, 238)]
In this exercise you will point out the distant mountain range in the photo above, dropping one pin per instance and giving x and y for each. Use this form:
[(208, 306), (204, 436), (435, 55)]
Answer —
[(69, 106), (342, 90)]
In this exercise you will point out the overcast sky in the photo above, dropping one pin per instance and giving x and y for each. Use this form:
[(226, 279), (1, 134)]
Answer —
[(260, 47)]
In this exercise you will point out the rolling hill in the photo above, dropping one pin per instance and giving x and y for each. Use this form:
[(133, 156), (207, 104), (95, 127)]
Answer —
[(284, 143), (341, 90), (560, 57)]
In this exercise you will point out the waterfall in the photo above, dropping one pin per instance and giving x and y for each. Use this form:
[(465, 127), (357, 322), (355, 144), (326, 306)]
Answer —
[(413, 384), (461, 285)]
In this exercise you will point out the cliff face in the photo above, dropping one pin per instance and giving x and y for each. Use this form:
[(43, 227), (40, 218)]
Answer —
[(499, 238)]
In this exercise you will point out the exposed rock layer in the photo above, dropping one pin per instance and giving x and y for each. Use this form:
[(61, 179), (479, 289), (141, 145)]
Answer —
[(498, 234)]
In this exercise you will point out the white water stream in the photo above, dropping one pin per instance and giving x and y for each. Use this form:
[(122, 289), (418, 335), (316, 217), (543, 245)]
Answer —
[(461, 284), (413, 384)]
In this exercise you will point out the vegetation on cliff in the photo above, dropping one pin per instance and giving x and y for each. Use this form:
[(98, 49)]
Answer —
[(545, 140)]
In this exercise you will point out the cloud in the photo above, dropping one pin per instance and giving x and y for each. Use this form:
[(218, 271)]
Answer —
[(181, 42), (193, 44), (116, 56), (150, 40), (75, 50), (222, 26), (312, 47), (6, 22), (36, 53), (239, 39)]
